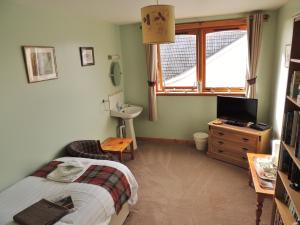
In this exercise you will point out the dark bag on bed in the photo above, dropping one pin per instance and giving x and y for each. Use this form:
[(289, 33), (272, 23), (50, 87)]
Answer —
[(42, 212)]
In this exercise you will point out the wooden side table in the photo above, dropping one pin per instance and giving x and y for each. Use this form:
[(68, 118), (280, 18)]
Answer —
[(261, 193), (119, 146)]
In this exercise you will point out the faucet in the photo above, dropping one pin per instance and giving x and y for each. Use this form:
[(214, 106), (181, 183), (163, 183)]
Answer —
[(119, 106)]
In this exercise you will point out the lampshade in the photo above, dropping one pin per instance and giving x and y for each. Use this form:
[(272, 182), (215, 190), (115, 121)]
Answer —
[(158, 24)]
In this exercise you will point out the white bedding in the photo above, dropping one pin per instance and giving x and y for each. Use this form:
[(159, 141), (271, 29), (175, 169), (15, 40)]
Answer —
[(94, 205)]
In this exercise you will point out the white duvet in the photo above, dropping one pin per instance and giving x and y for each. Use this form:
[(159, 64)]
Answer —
[(93, 204)]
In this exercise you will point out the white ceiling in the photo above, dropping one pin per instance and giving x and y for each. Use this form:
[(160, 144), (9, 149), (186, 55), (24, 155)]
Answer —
[(128, 11)]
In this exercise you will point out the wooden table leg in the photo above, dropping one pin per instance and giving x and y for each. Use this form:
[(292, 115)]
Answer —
[(250, 179), (121, 157), (259, 205), (132, 150)]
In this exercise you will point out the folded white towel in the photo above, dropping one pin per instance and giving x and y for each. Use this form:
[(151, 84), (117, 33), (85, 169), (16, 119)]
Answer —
[(73, 163), (68, 172)]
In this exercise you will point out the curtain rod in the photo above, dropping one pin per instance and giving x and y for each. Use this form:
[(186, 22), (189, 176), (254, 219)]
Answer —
[(266, 17)]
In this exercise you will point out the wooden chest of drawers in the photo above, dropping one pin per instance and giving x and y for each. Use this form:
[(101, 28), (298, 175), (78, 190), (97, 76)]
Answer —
[(231, 143)]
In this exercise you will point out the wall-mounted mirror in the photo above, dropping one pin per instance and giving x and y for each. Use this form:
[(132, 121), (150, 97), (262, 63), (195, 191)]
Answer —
[(115, 73)]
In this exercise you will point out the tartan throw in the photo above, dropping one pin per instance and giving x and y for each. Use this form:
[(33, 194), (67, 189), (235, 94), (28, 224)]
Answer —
[(45, 170), (112, 179)]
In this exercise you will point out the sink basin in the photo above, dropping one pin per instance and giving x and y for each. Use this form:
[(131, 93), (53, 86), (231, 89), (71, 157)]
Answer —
[(128, 112)]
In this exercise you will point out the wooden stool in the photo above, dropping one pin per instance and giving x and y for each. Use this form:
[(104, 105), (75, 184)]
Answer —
[(118, 145)]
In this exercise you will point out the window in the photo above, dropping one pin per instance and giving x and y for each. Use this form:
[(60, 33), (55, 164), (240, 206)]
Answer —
[(207, 58), (179, 61)]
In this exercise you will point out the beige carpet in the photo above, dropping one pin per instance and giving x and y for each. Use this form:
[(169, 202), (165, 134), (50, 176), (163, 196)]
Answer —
[(180, 186)]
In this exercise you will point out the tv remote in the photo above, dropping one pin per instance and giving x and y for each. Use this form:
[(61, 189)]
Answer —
[(235, 123), (259, 126)]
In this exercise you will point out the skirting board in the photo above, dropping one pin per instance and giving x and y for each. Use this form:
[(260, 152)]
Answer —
[(166, 141), (121, 217)]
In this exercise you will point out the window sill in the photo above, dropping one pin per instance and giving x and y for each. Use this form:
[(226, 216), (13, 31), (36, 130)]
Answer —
[(199, 94)]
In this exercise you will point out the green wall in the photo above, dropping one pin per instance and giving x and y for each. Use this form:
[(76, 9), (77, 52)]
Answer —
[(284, 37), (37, 120), (180, 117)]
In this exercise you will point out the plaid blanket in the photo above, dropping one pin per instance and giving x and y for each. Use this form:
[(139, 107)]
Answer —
[(113, 180)]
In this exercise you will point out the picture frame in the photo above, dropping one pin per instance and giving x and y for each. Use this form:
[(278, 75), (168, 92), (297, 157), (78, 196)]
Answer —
[(87, 56), (287, 55), (40, 62)]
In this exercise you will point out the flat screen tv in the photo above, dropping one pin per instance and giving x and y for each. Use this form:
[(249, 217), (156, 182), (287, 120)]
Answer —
[(237, 109)]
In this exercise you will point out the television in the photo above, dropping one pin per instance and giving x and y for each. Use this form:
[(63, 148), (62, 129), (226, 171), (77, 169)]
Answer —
[(237, 109)]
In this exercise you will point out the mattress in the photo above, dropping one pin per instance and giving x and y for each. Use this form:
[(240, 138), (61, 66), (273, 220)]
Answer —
[(93, 204)]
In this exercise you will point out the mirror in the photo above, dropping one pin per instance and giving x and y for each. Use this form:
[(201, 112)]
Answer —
[(115, 73)]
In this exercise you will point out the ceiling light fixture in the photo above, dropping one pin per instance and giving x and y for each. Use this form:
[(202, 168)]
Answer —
[(158, 24)]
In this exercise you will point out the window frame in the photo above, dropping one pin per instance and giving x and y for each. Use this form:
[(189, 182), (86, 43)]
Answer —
[(180, 89), (200, 29)]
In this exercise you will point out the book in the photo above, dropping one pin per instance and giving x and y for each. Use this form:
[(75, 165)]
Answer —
[(277, 218), (289, 172), (284, 126), (287, 201), (297, 148), (285, 162), (295, 82), (66, 202), (42, 212), (294, 128), (295, 178), (288, 127)]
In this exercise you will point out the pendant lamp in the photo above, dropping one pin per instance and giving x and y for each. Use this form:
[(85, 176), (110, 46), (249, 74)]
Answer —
[(158, 24)]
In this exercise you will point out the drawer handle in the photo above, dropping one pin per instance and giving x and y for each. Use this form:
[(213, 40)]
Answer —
[(244, 158), (220, 133), (245, 149), (220, 142), (245, 139), (220, 151)]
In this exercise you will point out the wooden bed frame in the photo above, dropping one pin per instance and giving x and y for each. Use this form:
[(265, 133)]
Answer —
[(120, 219)]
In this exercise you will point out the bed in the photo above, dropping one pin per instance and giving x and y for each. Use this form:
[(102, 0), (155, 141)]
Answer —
[(94, 205)]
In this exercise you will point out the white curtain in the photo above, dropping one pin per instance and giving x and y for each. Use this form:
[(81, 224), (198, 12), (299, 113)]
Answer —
[(151, 62), (255, 25)]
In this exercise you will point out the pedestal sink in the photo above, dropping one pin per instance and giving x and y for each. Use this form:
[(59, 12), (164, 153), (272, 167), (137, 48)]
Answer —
[(128, 113)]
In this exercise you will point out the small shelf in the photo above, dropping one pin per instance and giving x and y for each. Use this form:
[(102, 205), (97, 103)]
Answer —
[(295, 60), (293, 100), (291, 151), (284, 212), (294, 195)]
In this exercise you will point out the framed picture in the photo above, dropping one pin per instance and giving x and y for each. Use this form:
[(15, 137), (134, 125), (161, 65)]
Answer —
[(40, 63), (287, 55), (87, 56)]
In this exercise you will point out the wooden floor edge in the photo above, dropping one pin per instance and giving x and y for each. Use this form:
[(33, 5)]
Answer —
[(166, 140)]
